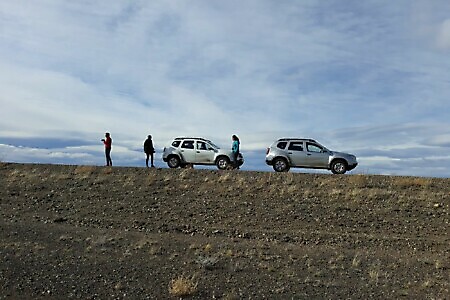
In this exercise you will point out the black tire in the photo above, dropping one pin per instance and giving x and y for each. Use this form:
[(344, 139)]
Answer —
[(339, 166), (173, 161), (280, 165), (223, 163)]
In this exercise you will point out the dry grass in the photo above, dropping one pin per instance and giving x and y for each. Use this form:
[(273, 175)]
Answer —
[(374, 273), (84, 171), (356, 262), (225, 177), (358, 180), (107, 170), (183, 286), (409, 182), (186, 173)]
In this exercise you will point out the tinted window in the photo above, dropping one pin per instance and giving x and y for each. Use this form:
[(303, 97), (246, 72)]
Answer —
[(188, 145), (313, 148), (282, 145), (176, 144), (201, 146), (296, 146)]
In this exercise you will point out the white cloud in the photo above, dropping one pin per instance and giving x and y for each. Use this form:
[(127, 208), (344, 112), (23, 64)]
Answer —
[(443, 36), (261, 69)]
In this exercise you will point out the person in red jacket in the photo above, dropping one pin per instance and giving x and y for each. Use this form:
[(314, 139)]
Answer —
[(108, 143)]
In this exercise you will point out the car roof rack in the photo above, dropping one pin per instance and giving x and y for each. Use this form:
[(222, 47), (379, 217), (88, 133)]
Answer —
[(290, 139), (191, 138)]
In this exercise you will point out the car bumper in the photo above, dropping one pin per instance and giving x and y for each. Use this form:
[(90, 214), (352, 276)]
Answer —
[(269, 160), (351, 167)]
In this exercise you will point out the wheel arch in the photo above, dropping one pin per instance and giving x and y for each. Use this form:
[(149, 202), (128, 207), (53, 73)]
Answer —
[(336, 160), (222, 156), (288, 161), (175, 155), (281, 158)]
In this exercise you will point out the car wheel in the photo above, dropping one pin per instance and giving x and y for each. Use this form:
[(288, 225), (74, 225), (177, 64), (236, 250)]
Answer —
[(338, 167), (280, 165), (173, 162), (222, 163)]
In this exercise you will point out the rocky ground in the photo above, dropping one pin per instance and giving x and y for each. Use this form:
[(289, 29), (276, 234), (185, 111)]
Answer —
[(69, 232)]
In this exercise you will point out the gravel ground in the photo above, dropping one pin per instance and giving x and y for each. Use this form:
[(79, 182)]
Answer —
[(84, 232)]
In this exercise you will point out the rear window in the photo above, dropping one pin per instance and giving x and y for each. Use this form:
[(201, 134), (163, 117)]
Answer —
[(176, 144), (282, 145)]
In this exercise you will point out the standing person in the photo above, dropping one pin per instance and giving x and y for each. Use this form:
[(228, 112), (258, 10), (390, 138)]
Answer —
[(235, 150), (149, 150), (108, 144)]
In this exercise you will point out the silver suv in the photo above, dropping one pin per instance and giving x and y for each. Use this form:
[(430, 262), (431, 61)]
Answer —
[(198, 151), (306, 153)]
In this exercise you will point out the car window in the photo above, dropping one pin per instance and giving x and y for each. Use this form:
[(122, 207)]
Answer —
[(201, 146), (296, 146), (176, 144), (188, 145), (313, 148), (282, 145)]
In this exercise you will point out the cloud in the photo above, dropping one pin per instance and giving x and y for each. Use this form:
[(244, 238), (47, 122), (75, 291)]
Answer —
[(443, 36), (366, 78)]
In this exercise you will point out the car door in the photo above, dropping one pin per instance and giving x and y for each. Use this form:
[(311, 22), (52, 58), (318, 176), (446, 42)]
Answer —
[(204, 153), (187, 150), (296, 153), (317, 157)]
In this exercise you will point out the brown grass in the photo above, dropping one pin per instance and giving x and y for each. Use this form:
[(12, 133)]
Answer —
[(358, 180), (183, 286), (84, 171), (418, 182)]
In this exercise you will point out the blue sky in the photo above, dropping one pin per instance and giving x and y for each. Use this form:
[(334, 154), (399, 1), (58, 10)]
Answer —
[(366, 77)]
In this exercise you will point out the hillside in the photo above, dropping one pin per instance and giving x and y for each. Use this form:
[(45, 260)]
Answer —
[(111, 233)]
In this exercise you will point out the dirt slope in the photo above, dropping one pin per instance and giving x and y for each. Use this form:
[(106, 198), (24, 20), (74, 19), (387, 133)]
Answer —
[(96, 232)]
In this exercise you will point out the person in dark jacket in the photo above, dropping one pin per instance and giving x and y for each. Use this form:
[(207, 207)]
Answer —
[(149, 150), (107, 141)]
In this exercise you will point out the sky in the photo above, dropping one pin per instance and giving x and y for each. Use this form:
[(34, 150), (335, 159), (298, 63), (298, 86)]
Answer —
[(369, 78)]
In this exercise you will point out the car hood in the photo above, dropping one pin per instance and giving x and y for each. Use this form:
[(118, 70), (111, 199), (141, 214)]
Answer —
[(341, 154)]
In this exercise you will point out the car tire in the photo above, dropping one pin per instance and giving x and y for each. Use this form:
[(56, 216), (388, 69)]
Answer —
[(173, 161), (280, 165), (223, 163), (338, 166)]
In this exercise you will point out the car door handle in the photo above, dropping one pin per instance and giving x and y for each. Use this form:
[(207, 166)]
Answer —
[(290, 153), (198, 151), (308, 154)]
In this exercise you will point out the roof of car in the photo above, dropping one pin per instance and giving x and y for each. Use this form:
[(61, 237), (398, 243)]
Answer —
[(191, 138), (296, 139)]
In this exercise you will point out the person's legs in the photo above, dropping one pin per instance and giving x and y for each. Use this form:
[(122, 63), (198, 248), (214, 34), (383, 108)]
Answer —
[(108, 156), (235, 159), (146, 159)]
